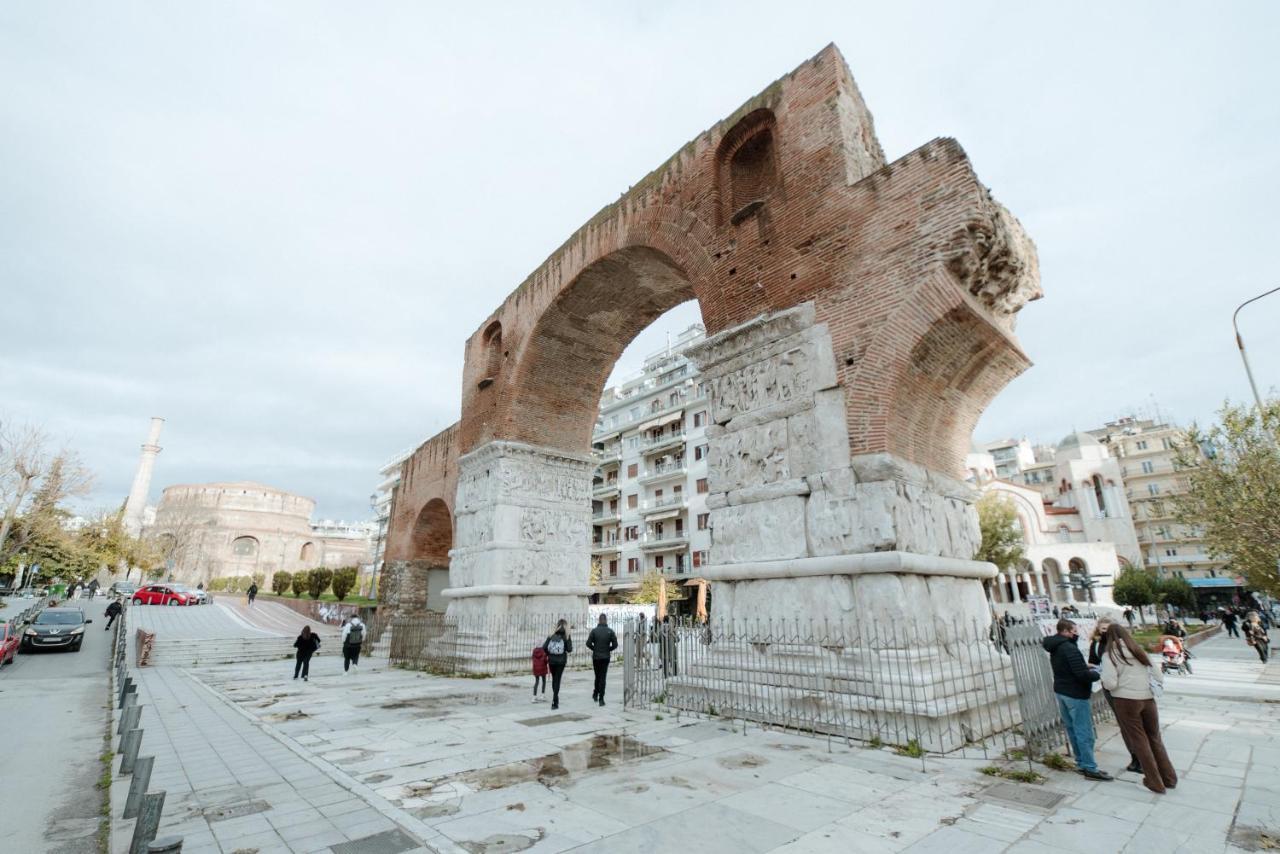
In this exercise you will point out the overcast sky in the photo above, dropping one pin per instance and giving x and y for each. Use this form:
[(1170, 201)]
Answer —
[(274, 224)]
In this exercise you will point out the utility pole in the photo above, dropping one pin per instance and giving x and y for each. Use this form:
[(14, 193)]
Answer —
[(1240, 343)]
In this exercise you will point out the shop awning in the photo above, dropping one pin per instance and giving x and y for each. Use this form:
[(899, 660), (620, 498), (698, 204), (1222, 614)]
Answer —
[(1215, 582)]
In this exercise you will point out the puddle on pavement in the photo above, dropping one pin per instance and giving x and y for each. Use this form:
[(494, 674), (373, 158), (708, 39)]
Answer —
[(600, 751), (436, 704), (502, 843), (376, 778)]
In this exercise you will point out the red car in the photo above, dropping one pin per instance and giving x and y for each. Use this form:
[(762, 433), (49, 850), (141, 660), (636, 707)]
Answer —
[(10, 638), (160, 594)]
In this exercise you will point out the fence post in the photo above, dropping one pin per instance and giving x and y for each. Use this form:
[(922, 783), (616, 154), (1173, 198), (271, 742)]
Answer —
[(128, 688), (138, 785), (148, 824), (129, 744), (129, 718)]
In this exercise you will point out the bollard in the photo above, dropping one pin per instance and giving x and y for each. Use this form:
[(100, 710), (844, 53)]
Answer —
[(165, 845), (131, 719), (148, 824), (129, 688), (129, 744), (138, 785)]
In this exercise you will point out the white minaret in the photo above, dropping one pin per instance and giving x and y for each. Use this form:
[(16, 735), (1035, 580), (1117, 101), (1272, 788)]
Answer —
[(142, 480)]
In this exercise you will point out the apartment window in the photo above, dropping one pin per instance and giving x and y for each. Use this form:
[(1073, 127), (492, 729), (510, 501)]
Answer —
[(1166, 444), (657, 495), (699, 418), (656, 406), (635, 413), (613, 507), (633, 565), (1142, 444), (1148, 467), (613, 420), (704, 521), (612, 476), (633, 501), (633, 469), (700, 452), (677, 490), (680, 562), (1153, 489), (657, 562), (702, 485), (633, 442), (701, 390), (657, 530), (699, 559), (632, 533), (674, 398), (679, 527), (1170, 552), (613, 568)]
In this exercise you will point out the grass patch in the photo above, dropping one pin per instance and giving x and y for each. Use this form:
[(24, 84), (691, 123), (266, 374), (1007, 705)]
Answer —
[(912, 748), (1056, 761), (1015, 754), (657, 717), (1022, 775), (874, 743), (711, 711)]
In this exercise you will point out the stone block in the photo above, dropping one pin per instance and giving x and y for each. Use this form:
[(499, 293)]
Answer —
[(765, 530)]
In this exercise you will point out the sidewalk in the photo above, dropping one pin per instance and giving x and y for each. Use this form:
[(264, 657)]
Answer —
[(472, 765)]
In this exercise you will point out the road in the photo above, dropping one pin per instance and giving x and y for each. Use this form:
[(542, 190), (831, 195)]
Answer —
[(54, 707)]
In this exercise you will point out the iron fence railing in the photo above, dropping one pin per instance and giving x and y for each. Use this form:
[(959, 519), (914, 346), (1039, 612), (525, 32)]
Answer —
[(482, 645)]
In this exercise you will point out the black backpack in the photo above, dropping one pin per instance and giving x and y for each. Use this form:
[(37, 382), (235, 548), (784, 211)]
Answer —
[(356, 635)]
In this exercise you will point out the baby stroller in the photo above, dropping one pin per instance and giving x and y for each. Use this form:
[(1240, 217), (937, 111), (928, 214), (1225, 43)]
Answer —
[(1176, 658)]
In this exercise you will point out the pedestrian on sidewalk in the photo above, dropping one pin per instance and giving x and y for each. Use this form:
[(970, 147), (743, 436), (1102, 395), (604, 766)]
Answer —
[(667, 648), (253, 592), (1098, 648), (1256, 636), (1072, 684), (1229, 623), (558, 645), (1134, 683), (306, 644), (113, 610), (602, 642), (539, 672), (352, 640)]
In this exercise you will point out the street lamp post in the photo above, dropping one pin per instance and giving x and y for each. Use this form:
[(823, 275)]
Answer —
[(1240, 343), (377, 545)]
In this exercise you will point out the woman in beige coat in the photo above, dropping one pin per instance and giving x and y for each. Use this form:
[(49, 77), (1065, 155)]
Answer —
[(1127, 673)]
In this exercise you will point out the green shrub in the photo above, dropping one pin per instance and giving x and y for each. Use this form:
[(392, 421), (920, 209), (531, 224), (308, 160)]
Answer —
[(281, 582), (300, 582), (1057, 762), (318, 581), (343, 580), (912, 748)]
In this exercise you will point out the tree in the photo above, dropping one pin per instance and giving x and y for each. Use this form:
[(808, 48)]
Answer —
[(1175, 592), (647, 593), (1001, 537), (281, 581), (300, 582), (1134, 587), (343, 580), (1232, 471), (177, 536), (318, 581), (34, 481)]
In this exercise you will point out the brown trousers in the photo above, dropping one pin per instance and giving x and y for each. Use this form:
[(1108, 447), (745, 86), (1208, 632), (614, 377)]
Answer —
[(1140, 726)]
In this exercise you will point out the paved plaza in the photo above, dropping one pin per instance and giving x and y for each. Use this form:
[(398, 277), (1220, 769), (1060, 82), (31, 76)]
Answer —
[(393, 760)]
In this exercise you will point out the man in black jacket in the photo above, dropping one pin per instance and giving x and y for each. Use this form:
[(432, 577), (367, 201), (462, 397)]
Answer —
[(1072, 684), (602, 642)]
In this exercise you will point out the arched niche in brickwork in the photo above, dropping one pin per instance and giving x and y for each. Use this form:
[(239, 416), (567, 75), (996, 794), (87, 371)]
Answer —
[(433, 534)]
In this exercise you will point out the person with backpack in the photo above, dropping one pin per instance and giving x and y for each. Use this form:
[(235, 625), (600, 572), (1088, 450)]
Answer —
[(1134, 683), (539, 672), (306, 644), (557, 646), (352, 640), (253, 592), (602, 642)]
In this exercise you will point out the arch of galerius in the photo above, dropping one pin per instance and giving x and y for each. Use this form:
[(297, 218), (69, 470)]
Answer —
[(860, 317)]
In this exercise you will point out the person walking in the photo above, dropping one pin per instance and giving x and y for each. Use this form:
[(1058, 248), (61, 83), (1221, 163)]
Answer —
[(1129, 617), (557, 646), (602, 642), (1229, 623), (539, 672), (669, 641), (253, 592), (1097, 648), (114, 610), (1255, 635), (1072, 684), (352, 641), (306, 644), (1127, 673)]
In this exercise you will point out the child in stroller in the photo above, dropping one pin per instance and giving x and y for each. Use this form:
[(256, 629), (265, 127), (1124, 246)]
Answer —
[(1176, 658)]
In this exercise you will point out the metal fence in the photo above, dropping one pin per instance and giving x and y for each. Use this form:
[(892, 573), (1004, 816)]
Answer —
[(479, 646)]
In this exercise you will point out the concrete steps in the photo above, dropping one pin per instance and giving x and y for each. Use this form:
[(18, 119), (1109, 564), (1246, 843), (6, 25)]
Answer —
[(197, 652)]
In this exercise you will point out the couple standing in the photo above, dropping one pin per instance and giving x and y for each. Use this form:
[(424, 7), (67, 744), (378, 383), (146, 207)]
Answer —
[(553, 655)]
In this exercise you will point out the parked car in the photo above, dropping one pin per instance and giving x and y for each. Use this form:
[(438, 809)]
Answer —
[(10, 638), (56, 628), (160, 594), (194, 596), (123, 588)]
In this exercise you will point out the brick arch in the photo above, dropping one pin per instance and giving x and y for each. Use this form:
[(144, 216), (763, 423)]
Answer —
[(432, 536)]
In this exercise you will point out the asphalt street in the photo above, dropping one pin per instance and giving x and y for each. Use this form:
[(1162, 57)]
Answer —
[(54, 707)]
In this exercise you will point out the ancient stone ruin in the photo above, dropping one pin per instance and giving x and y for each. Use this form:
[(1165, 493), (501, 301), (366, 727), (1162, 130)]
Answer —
[(860, 317)]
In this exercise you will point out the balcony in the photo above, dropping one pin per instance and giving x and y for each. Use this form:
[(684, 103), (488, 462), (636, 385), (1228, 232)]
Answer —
[(605, 516), (664, 542), (601, 547), (671, 502), (664, 471), (604, 488), (604, 456), (667, 441)]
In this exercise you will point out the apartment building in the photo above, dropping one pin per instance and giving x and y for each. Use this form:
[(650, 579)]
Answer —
[(1010, 457), (648, 500), (1146, 450)]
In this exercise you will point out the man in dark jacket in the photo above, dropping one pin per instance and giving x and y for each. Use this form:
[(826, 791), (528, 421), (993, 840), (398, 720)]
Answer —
[(113, 610), (602, 642), (1072, 684)]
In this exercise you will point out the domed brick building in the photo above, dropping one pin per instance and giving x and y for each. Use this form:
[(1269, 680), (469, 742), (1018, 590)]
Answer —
[(213, 530)]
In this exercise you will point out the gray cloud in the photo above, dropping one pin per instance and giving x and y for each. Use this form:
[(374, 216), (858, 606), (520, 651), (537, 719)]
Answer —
[(275, 225)]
